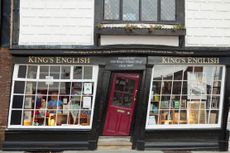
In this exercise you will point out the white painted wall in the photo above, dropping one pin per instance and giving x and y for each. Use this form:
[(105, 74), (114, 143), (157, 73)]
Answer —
[(207, 23), (147, 40), (56, 22)]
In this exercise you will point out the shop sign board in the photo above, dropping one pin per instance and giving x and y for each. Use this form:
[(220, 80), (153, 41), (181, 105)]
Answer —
[(184, 60), (58, 60), (126, 63)]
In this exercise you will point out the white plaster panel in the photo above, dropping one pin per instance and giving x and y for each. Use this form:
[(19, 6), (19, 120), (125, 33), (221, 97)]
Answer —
[(56, 22), (207, 23), (147, 40)]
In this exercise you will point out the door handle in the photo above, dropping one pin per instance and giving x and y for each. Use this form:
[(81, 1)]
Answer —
[(128, 113), (120, 111)]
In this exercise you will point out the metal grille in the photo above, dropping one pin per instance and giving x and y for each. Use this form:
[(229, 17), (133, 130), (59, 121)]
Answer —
[(149, 10), (168, 10), (111, 9), (131, 10)]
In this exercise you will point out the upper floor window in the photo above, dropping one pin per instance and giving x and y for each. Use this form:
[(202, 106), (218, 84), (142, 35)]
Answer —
[(140, 10)]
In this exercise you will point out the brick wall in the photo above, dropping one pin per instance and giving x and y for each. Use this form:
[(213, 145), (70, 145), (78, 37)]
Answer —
[(207, 23), (5, 81)]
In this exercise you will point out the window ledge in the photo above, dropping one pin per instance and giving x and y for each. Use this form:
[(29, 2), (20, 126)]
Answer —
[(135, 30)]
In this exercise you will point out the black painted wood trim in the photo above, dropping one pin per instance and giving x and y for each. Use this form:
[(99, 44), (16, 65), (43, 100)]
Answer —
[(185, 139), (142, 111), (181, 41), (16, 22), (1, 22), (223, 140), (124, 50), (48, 139), (45, 146), (97, 16), (139, 31), (93, 138), (103, 101), (180, 11), (226, 98), (5, 23)]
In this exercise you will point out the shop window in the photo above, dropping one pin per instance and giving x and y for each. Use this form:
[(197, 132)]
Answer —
[(186, 97), (140, 10), (56, 96)]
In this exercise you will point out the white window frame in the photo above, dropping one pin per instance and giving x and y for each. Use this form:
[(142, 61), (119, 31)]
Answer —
[(188, 126), (94, 79)]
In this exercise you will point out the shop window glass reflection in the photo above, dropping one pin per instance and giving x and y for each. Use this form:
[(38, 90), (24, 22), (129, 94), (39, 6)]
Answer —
[(76, 88), (166, 87), (88, 72), (218, 73), (17, 101), (55, 72), (22, 71), (77, 72), (19, 87), (177, 87), (32, 72), (31, 87), (16, 117), (50, 101), (54, 87), (185, 95), (65, 88), (44, 71), (42, 87), (65, 72)]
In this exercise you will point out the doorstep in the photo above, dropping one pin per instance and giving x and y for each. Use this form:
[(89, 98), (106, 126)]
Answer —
[(114, 143)]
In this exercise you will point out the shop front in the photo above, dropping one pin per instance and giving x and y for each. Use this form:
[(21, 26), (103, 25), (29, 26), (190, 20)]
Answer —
[(161, 102)]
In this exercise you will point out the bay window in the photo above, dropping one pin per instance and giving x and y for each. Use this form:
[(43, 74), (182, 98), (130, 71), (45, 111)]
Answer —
[(186, 96), (60, 96)]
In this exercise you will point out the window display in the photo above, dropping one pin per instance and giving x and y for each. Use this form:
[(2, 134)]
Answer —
[(186, 96), (53, 96)]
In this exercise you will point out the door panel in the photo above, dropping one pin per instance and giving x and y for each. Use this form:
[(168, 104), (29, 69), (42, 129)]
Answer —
[(121, 103), (123, 128)]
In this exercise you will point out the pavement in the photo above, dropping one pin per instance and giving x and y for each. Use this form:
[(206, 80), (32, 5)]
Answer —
[(123, 151)]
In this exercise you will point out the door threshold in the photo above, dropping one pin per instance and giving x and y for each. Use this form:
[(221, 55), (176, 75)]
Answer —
[(114, 142)]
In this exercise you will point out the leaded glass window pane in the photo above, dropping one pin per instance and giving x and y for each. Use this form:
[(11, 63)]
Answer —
[(111, 9), (131, 10), (149, 10), (168, 10)]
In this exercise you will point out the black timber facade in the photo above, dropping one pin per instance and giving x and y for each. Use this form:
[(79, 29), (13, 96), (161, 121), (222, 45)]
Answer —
[(157, 139)]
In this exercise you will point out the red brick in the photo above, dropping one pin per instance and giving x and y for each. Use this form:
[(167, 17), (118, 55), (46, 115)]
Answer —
[(5, 84)]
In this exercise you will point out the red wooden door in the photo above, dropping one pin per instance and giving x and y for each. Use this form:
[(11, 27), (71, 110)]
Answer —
[(121, 104)]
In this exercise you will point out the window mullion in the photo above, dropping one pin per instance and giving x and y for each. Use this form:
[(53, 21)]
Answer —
[(159, 10), (140, 10), (121, 10)]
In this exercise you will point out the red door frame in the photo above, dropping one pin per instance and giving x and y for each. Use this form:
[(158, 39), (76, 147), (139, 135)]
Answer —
[(118, 118)]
